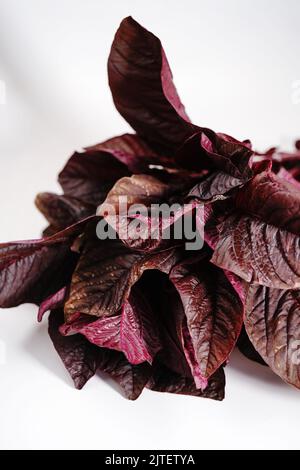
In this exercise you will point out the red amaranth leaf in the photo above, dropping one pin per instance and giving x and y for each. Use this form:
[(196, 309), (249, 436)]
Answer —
[(32, 270), (83, 359), (170, 316), (159, 230), (62, 211), (213, 311), (133, 332), (53, 302), (272, 321), (88, 176), (101, 292), (288, 176), (138, 189), (216, 186), (271, 199), (131, 378), (133, 151), (246, 347), (80, 357), (142, 88), (207, 150), (177, 353), (137, 304), (258, 252), (164, 380), (139, 339)]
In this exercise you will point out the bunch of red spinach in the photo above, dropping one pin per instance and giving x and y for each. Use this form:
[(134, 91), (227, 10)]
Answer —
[(149, 312)]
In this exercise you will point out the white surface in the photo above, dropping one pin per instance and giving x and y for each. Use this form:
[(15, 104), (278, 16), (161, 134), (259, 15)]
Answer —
[(235, 63)]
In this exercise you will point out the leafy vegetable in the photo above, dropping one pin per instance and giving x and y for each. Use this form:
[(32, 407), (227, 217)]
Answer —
[(264, 254), (90, 175), (207, 150), (271, 199), (131, 378), (62, 211), (101, 292), (214, 187), (127, 296), (32, 270), (133, 331), (246, 347), (142, 87), (138, 189), (273, 324), (78, 355), (164, 380), (213, 310)]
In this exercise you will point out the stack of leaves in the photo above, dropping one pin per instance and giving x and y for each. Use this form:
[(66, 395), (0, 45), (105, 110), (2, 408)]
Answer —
[(147, 311)]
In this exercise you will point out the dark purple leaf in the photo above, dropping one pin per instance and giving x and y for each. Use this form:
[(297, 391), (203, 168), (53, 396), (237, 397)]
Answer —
[(287, 176), (258, 252), (53, 302), (211, 151), (170, 316), (158, 231), (164, 380), (139, 338), (131, 378), (137, 304), (271, 199), (295, 172), (290, 158), (80, 357), (62, 211), (138, 189), (213, 310), (133, 151), (272, 321), (142, 87), (190, 355), (141, 234), (32, 270), (246, 347), (177, 353), (106, 271), (88, 176), (214, 187), (133, 332)]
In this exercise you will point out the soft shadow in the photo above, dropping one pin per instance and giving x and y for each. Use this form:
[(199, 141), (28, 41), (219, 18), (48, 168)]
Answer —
[(257, 371), (40, 347), (111, 383)]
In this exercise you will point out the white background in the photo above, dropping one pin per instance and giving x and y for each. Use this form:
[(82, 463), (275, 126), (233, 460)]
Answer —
[(235, 63)]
